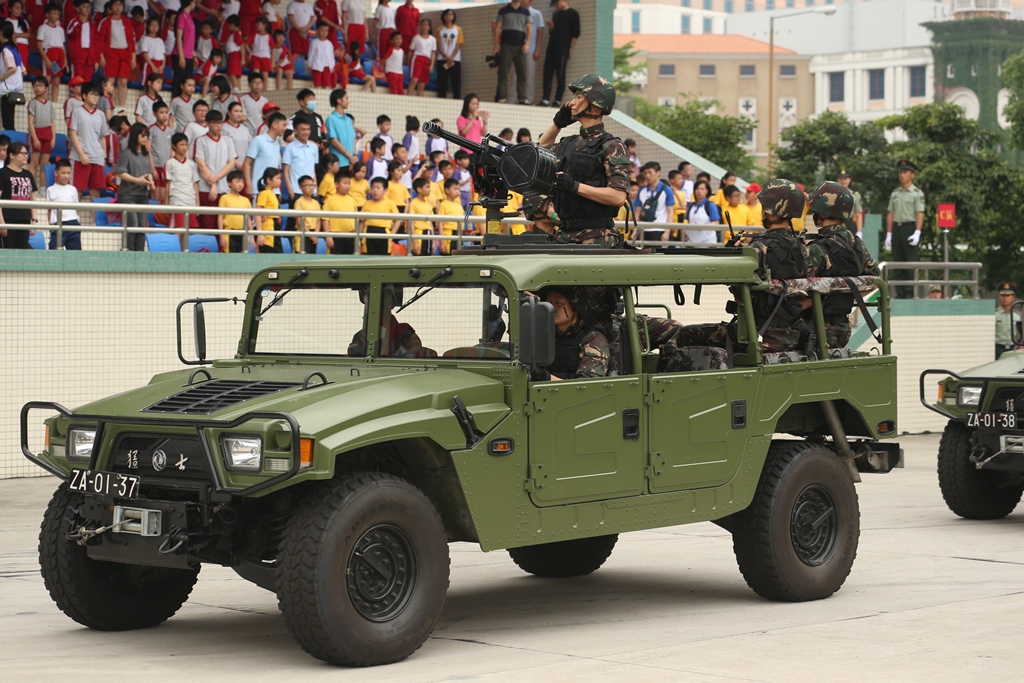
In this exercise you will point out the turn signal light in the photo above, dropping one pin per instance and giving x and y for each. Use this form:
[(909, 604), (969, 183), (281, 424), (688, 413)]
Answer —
[(886, 427), (941, 388), (47, 437), (501, 446), (305, 452)]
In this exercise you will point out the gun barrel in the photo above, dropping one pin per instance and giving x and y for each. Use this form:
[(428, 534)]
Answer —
[(431, 128)]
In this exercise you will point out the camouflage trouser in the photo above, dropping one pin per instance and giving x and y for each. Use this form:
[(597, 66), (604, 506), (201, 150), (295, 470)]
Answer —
[(609, 238), (780, 339), (662, 331), (721, 334), (837, 334)]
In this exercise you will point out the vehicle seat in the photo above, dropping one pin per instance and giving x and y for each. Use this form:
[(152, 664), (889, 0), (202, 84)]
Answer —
[(692, 358), (485, 351), (781, 357), (843, 352)]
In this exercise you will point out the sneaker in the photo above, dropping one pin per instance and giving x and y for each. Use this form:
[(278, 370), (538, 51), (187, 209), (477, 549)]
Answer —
[(544, 103), (502, 101), (526, 103)]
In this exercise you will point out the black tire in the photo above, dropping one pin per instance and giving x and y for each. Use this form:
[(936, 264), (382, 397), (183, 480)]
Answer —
[(564, 559), (968, 491), (798, 539), (363, 571), (106, 596)]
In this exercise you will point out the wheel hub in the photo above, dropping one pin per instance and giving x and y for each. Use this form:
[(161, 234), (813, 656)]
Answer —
[(381, 573), (814, 526)]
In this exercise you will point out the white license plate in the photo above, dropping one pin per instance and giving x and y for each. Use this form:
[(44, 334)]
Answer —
[(105, 483), (992, 420)]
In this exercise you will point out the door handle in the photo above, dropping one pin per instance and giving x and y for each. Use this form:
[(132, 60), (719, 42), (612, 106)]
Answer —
[(631, 424)]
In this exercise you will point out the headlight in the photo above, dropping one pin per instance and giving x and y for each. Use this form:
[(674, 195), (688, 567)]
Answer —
[(969, 396), (243, 453), (80, 443)]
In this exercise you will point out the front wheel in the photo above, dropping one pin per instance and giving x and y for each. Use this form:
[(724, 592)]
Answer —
[(798, 539), (363, 571), (968, 491), (106, 596)]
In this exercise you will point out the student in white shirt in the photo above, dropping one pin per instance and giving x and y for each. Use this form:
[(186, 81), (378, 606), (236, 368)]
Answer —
[(424, 52), (63, 191)]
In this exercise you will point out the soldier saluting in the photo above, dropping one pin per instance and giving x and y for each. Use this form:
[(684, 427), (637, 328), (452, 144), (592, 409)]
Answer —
[(594, 169)]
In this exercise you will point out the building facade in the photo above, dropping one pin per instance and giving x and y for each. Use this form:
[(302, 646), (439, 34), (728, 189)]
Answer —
[(869, 85)]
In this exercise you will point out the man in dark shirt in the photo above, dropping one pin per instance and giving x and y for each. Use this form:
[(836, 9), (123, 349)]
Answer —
[(511, 29), (563, 31), (18, 184)]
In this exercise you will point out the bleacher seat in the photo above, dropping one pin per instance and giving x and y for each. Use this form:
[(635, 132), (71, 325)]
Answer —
[(286, 245), (37, 241), (161, 241), (60, 147), (321, 246), (203, 244), (16, 136), (102, 217), (50, 170)]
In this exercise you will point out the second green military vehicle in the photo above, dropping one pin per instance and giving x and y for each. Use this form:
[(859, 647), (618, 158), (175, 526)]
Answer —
[(378, 409)]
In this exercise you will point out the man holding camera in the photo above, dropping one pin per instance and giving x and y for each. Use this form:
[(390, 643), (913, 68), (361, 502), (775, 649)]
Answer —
[(594, 170)]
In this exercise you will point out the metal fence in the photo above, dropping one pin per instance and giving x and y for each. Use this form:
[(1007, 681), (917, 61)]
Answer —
[(921, 279)]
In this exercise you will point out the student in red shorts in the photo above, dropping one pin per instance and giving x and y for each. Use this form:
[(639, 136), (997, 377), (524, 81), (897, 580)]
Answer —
[(424, 52), (260, 48), (281, 61), (82, 44), (321, 59), (51, 48), (117, 48), (234, 47), (86, 139), (394, 58)]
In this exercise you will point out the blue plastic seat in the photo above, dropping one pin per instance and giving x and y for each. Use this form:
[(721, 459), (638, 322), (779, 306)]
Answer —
[(286, 245), (37, 241), (60, 147), (321, 246), (161, 241), (203, 244), (16, 136), (51, 170), (102, 218)]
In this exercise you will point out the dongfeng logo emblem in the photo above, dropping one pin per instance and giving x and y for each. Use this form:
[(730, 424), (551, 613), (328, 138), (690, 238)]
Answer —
[(159, 461)]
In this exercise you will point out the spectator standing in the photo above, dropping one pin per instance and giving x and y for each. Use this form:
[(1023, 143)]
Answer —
[(269, 188), (420, 204), (450, 206), (394, 59), (12, 84), (240, 135), (151, 51), (248, 12), (233, 199), (511, 30), (472, 122), (341, 132), (306, 201), (702, 211), (144, 105), (16, 183), (86, 135), (411, 139), (271, 12), (307, 112), (630, 145), (117, 48), (754, 211), (205, 44), (536, 38), (384, 133), (379, 203), (260, 44), (424, 52), (1008, 325), (439, 144), (734, 206), (377, 166), (654, 202), (359, 188), (221, 96), (264, 151), (407, 22), (340, 201), (728, 179), (19, 22), (301, 18), (903, 224), (686, 170), (51, 47), (449, 56), (198, 127), (181, 105), (253, 103), (214, 155), (160, 134), (675, 181), (353, 18), (563, 32), (182, 184), (299, 158), (135, 171), (82, 44), (327, 12), (234, 50), (282, 61), (321, 60), (63, 191), (40, 129), (384, 25)]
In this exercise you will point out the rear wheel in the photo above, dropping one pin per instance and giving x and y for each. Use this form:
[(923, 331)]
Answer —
[(564, 559), (968, 491), (106, 596), (798, 539), (363, 571)]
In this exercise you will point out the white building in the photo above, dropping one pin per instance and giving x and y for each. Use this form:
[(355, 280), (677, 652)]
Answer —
[(648, 18), (869, 85)]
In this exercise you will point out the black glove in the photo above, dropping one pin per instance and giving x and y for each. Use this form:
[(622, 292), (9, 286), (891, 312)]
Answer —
[(540, 375), (563, 117), (565, 183)]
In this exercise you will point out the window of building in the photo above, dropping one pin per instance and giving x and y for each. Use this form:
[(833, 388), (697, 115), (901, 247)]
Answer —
[(917, 83), (748, 6), (686, 3), (810, 3), (829, 2), (666, 70), (876, 84), (837, 87), (707, 70), (787, 71), (686, 24), (707, 4), (748, 70), (728, 6), (769, 4), (707, 25), (790, 3), (950, 71), (636, 22)]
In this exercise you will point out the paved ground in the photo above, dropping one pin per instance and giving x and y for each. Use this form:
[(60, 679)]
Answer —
[(931, 597)]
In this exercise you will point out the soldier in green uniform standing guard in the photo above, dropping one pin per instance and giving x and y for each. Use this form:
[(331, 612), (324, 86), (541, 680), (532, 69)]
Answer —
[(594, 169), (903, 225), (1007, 324), (857, 220)]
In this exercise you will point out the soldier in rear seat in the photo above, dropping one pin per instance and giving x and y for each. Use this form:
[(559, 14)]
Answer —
[(581, 349)]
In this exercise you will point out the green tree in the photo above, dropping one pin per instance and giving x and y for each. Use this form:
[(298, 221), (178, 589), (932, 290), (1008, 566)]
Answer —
[(625, 66), (1013, 79), (716, 137)]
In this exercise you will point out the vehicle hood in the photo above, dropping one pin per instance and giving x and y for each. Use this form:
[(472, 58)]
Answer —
[(1010, 365)]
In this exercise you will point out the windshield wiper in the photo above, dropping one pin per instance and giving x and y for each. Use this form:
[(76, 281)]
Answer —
[(285, 288), (427, 286)]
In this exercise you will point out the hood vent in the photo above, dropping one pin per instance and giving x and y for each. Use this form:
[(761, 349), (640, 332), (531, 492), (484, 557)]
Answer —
[(214, 395)]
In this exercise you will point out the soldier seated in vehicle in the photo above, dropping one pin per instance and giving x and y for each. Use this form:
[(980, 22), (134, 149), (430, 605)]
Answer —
[(396, 339), (581, 349)]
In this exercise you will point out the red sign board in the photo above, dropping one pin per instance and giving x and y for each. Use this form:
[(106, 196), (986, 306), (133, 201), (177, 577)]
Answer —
[(947, 216)]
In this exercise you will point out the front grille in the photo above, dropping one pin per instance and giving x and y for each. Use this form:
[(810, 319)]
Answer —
[(182, 458), (209, 397), (1008, 400)]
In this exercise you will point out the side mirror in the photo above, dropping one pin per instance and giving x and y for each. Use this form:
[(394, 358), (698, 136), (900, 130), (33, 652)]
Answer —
[(536, 333), (199, 324)]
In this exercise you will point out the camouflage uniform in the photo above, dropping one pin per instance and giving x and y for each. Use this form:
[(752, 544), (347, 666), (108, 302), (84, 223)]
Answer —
[(592, 354)]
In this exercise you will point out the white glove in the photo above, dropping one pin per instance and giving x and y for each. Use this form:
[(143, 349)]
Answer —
[(860, 235), (888, 240), (915, 238)]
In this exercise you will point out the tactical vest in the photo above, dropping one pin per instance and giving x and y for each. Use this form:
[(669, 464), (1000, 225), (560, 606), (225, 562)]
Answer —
[(785, 260), (846, 262), (567, 353), (587, 168)]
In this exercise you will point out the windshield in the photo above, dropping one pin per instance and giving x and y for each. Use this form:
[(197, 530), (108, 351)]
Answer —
[(312, 320), (451, 320)]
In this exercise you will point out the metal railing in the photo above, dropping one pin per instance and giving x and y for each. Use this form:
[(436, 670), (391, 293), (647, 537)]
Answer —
[(924, 267), (358, 217)]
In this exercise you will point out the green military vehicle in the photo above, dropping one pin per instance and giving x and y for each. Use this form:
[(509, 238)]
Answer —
[(981, 454), (378, 409)]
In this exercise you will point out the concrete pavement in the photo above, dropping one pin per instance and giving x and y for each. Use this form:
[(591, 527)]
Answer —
[(931, 597)]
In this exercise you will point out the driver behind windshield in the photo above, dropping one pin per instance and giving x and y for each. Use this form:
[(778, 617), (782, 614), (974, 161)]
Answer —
[(581, 350), (396, 339)]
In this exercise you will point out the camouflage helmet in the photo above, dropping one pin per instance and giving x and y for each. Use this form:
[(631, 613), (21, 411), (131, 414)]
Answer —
[(598, 91), (782, 198), (833, 200)]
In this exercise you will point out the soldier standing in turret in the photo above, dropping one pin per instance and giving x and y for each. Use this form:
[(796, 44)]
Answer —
[(594, 169)]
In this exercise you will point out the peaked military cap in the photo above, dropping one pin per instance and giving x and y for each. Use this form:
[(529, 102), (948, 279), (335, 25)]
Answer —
[(843, 173), (1007, 288), (907, 165)]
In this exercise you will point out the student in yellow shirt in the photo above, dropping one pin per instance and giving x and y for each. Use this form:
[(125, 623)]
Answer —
[(267, 199), (675, 181), (421, 204), (340, 200), (753, 206), (359, 187), (307, 202), (728, 179), (515, 201), (397, 192), (450, 206), (447, 170), (379, 203), (331, 167), (233, 200)]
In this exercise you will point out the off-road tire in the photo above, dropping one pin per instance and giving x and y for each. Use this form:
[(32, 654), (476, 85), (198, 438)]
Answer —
[(363, 571), (968, 491), (106, 596), (564, 559), (780, 552)]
